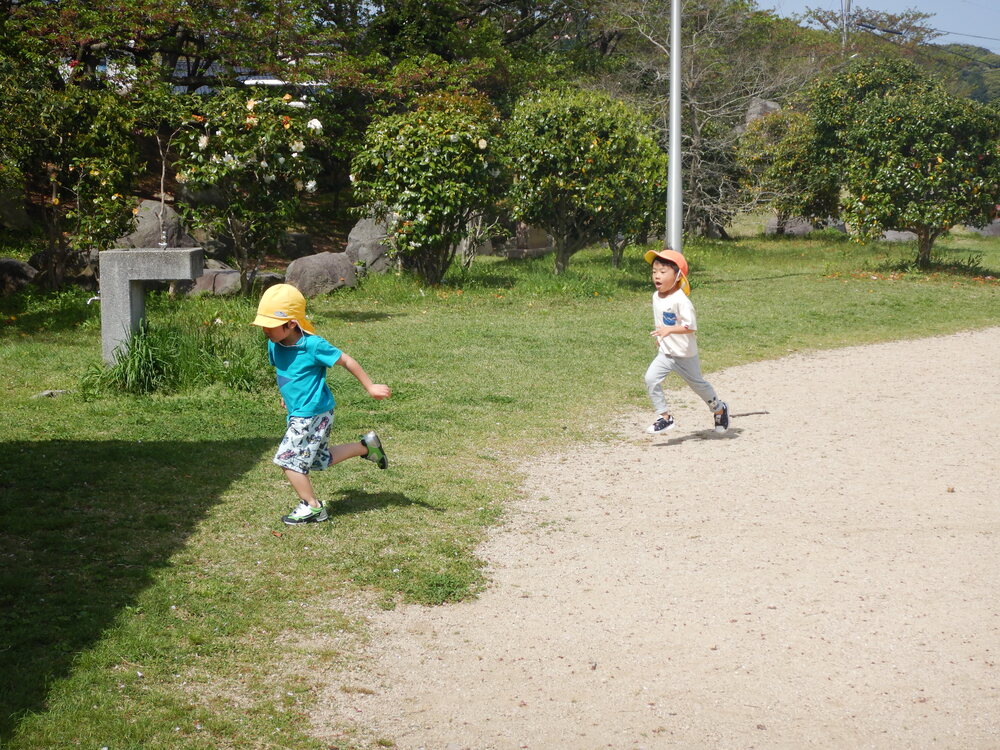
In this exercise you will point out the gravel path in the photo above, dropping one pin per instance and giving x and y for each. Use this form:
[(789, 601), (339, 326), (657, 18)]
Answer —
[(824, 575)]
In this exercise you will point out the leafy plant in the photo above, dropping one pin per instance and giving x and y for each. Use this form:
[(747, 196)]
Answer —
[(585, 167), (244, 165), (430, 173)]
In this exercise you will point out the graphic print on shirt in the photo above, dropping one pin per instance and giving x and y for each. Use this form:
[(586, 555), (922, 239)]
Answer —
[(669, 318)]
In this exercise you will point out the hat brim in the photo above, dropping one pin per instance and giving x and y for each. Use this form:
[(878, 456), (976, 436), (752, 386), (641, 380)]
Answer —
[(267, 322)]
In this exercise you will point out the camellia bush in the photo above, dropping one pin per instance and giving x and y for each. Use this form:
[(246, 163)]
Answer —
[(430, 173), (243, 163), (585, 167), (775, 155), (78, 156), (921, 161)]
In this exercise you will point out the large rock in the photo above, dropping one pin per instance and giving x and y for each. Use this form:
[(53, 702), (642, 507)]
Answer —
[(525, 242), (760, 108), (147, 228), (366, 245), (13, 214), (80, 268), (296, 245), (794, 227), (990, 230), (14, 275), (799, 227), (217, 281), (893, 236), (321, 273)]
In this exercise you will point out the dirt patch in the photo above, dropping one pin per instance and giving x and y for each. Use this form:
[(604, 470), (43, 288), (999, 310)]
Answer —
[(824, 575)]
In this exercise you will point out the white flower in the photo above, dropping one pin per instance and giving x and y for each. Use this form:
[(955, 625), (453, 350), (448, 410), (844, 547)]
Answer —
[(202, 142), (281, 160), (251, 103), (263, 164), (311, 186), (269, 178), (314, 124), (299, 185), (353, 177), (453, 137), (297, 105), (481, 144), (298, 146)]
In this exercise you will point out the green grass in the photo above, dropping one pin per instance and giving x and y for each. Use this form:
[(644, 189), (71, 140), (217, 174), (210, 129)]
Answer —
[(149, 596)]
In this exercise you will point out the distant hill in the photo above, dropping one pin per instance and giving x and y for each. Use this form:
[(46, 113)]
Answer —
[(977, 69)]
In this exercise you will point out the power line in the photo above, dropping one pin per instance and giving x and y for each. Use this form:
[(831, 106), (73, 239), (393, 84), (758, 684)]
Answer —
[(972, 36), (871, 29)]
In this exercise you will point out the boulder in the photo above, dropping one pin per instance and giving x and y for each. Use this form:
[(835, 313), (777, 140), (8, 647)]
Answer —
[(296, 245), (81, 268), (990, 230), (366, 246), (14, 275), (794, 227), (147, 228), (321, 273), (893, 236), (222, 282), (760, 108), (13, 214)]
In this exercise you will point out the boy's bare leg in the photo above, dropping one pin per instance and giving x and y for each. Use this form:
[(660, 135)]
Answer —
[(302, 484), (345, 451), (303, 487)]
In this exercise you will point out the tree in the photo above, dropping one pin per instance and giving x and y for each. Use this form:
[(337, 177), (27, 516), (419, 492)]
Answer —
[(777, 156), (732, 53), (246, 154), (80, 162), (429, 173), (579, 161), (921, 160)]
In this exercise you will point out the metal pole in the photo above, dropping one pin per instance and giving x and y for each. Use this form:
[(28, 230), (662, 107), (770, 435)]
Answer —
[(674, 192)]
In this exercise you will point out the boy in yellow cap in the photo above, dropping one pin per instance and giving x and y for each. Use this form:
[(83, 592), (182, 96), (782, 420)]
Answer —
[(674, 329), (300, 359)]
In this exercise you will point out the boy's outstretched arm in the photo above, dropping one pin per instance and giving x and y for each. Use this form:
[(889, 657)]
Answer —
[(375, 390)]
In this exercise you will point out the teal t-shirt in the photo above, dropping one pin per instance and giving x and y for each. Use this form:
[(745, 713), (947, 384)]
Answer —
[(301, 370)]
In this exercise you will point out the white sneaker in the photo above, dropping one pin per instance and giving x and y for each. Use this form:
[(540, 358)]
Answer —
[(305, 513)]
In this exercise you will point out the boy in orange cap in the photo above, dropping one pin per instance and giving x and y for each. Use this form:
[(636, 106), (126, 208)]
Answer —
[(674, 329), (300, 359)]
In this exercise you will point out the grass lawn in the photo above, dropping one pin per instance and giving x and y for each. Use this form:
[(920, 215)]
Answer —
[(149, 596)]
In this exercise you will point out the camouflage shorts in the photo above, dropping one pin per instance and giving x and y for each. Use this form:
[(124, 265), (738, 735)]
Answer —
[(306, 445)]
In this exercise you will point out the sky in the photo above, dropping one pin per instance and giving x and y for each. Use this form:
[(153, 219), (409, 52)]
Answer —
[(963, 18)]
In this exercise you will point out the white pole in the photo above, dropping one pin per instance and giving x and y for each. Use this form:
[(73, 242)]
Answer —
[(674, 192)]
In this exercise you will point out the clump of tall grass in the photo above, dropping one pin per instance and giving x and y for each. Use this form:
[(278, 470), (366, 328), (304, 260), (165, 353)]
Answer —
[(168, 359)]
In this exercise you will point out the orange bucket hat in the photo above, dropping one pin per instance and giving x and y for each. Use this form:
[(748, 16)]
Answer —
[(676, 258), (279, 304)]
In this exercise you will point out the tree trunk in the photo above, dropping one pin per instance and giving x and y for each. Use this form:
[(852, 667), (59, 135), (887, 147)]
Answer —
[(925, 241), (617, 251), (562, 255)]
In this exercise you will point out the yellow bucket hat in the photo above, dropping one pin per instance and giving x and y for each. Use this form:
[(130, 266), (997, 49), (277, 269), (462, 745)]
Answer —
[(279, 304)]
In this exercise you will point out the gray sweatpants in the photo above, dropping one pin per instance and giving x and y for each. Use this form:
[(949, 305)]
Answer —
[(689, 368)]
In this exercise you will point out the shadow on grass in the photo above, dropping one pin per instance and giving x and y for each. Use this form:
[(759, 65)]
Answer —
[(349, 502), (84, 526)]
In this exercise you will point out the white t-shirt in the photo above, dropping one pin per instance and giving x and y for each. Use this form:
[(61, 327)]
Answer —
[(675, 309)]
